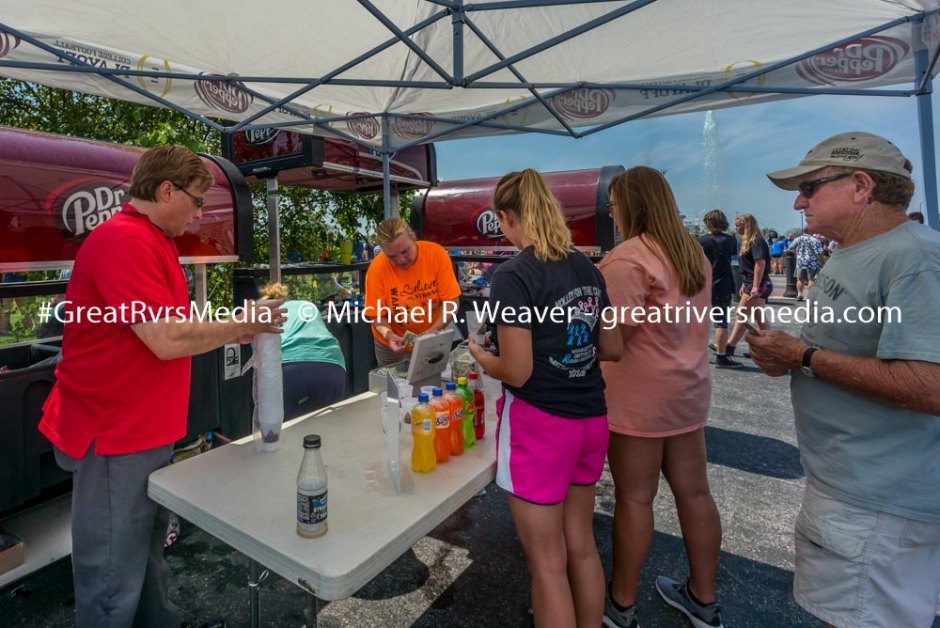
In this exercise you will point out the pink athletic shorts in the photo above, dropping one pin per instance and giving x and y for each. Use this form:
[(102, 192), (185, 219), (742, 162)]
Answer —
[(539, 455)]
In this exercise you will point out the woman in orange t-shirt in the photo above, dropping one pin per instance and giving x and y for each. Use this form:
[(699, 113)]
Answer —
[(410, 286), (658, 395)]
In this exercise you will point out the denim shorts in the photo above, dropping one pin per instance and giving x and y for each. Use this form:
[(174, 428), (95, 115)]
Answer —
[(861, 568)]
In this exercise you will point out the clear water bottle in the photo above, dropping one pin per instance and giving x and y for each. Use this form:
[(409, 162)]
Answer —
[(311, 491)]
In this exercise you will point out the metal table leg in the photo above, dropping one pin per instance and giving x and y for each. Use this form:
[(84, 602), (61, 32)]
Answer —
[(311, 607), (255, 578)]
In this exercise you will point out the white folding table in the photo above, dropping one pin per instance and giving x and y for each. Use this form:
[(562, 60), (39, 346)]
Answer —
[(248, 499)]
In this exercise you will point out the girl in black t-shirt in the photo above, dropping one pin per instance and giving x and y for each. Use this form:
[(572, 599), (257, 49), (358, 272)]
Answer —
[(756, 286), (547, 304)]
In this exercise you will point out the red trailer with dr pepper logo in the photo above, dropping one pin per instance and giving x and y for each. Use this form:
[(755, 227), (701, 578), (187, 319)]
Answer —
[(459, 214), (54, 190)]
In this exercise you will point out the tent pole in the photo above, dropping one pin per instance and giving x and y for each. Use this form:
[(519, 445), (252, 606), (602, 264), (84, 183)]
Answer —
[(925, 123), (386, 171), (274, 230)]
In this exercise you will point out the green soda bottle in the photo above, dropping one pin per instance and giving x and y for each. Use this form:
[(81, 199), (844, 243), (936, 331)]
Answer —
[(469, 412)]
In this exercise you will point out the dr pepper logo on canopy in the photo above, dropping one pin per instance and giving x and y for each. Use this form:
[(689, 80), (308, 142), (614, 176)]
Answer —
[(366, 128), (583, 103), (82, 205), (223, 96), (8, 43), (414, 126), (863, 59)]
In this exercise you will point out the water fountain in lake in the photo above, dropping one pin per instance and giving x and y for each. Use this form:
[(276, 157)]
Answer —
[(711, 165)]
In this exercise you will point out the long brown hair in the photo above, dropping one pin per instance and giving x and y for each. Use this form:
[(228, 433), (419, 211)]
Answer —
[(646, 207), (527, 194), (751, 231)]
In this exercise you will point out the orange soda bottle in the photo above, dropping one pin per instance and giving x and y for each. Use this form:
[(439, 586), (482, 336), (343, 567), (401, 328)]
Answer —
[(469, 412), (423, 459), (479, 419), (441, 425), (456, 419)]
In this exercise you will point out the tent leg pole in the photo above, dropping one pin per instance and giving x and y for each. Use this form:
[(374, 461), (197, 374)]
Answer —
[(387, 188), (274, 230), (200, 285), (386, 172), (925, 124)]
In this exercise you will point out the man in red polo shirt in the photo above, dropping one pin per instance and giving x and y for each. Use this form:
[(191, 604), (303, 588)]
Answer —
[(122, 387)]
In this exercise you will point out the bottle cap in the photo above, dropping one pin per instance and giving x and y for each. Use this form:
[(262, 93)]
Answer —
[(473, 375), (312, 441), (422, 397), (437, 392), (461, 381), (450, 386)]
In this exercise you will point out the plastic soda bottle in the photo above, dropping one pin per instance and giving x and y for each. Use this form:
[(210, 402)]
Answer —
[(423, 459), (441, 426), (456, 418), (479, 419), (311, 491), (469, 412)]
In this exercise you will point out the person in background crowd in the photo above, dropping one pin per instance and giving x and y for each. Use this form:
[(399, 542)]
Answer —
[(658, 397), (313, 365), (756, 286), (776, 255), (868, 533), (122, 388), (916, 217), (719, 248), (809, 259), (411, 279), (552, 430)]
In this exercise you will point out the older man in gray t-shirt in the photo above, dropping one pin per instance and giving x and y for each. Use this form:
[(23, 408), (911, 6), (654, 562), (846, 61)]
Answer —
[(866, 391)]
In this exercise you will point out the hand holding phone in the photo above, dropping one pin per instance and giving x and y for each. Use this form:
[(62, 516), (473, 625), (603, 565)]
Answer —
[(751, 329)]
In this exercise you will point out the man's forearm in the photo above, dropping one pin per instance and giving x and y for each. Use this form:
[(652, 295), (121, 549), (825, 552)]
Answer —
[(176, 338), (909, 384), (173, 338)]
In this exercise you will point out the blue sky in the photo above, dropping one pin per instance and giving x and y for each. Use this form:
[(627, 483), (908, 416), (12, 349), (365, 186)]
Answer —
[(753, 140)]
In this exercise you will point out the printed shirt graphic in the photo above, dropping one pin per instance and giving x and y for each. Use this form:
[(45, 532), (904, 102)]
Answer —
[(806, 248), (413, 296), (566, 379)]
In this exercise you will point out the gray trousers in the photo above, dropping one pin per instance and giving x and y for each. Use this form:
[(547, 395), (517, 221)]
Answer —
[(119, 571)]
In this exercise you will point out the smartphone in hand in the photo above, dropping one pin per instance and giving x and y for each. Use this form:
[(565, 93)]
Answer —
[(751, 329)]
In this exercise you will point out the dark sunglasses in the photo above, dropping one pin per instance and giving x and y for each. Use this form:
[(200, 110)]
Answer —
[(808, 188), (197, 201)]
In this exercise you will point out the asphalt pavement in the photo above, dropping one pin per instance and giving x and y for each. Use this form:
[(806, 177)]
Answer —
[(470, 570)]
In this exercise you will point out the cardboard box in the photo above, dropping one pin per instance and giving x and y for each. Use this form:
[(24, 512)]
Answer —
[(12, 552)]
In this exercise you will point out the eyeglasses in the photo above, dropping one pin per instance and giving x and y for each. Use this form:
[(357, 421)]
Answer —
[(808, 188), (197, 201)]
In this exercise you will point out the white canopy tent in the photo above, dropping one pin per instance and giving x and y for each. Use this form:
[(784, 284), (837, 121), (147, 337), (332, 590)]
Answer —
[(392, 73)]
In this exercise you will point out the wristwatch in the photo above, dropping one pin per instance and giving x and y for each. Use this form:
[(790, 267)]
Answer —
[(807, 368)]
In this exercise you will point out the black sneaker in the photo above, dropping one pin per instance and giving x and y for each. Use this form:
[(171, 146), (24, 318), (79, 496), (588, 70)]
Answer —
[(614, 618), (724, 362), (729, 350), (712, 346), (677, 596)]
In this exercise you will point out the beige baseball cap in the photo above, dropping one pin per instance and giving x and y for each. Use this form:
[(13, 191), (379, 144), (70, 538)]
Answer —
[(855, 149)]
